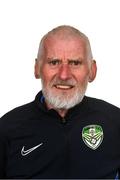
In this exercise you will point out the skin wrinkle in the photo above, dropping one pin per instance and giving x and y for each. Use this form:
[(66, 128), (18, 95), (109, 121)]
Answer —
[(65, 32)]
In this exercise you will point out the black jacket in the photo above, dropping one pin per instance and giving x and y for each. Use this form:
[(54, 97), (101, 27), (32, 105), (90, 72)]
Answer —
[(38, 143)]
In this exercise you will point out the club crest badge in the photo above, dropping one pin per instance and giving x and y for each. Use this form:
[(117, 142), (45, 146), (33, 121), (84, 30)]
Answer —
[(92, 136)]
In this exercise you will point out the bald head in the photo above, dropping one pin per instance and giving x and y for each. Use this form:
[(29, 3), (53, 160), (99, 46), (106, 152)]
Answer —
[(65, 33)]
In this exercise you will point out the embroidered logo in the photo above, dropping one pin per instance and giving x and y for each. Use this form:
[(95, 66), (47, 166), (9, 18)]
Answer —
[(92, 136), (26, 152)]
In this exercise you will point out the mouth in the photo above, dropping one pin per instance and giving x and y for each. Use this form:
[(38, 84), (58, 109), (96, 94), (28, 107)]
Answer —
[(64, 87)]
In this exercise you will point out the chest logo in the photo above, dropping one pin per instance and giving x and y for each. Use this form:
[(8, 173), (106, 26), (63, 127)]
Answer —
[(26, 152), (92, 136)]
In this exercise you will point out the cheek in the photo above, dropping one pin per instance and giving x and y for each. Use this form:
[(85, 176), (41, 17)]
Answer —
[(47, 75), (82, 76)]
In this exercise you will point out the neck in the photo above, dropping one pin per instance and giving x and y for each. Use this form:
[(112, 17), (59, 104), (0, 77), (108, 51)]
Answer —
[(61, 112)]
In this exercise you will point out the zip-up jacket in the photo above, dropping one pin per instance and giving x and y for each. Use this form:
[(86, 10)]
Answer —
[(37, 143)]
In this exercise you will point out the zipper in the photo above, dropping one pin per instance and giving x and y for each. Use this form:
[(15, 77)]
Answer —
[(63, 120)]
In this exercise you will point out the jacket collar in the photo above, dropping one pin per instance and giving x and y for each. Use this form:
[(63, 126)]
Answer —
[(80, 108)]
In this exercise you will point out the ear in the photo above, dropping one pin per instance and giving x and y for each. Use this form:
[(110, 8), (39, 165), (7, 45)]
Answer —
[(37, 69), (93, 71)]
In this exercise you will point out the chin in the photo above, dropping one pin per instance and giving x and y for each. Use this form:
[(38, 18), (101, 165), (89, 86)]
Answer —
[(63, 100)]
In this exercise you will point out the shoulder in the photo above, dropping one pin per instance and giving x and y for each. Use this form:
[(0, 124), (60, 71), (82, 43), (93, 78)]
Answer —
[(18, 110), (17, 115), (103, 106)]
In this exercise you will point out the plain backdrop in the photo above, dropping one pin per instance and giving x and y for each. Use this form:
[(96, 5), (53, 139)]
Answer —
[(24, 22)]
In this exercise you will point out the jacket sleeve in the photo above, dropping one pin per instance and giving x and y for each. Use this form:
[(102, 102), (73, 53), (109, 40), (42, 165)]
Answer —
[(2, 158)]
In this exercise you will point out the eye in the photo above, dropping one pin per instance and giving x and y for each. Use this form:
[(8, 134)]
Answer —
[(75, 63), (54, 62)]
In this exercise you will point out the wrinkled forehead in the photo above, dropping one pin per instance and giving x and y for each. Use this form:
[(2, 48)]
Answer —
[(70, 45)]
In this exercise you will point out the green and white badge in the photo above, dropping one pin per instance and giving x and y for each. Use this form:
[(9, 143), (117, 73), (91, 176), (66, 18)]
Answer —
[(92, 136)]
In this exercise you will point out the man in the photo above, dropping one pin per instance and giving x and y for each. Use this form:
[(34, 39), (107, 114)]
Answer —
[(62, 134)]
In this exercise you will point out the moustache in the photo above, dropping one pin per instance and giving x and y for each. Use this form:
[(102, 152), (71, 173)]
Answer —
[(64, 82)]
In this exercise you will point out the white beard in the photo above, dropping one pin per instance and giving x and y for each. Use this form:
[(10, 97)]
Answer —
[(63, 100)]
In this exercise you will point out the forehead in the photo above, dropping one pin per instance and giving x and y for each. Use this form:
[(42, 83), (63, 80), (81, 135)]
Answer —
[(73, 46)]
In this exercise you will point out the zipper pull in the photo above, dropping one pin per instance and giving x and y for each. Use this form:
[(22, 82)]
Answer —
[(63, 120)]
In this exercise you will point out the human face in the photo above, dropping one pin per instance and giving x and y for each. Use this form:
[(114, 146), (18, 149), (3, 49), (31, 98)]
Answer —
[(64, 71)]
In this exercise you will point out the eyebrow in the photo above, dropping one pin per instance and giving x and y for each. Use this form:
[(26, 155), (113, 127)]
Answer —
[(76, 59), (50, 59)]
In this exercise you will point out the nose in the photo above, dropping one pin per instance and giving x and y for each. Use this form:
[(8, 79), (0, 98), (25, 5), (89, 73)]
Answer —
[(64, 72)]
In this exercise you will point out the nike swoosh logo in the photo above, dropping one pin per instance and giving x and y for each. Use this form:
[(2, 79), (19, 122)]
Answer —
[(26, 152)]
